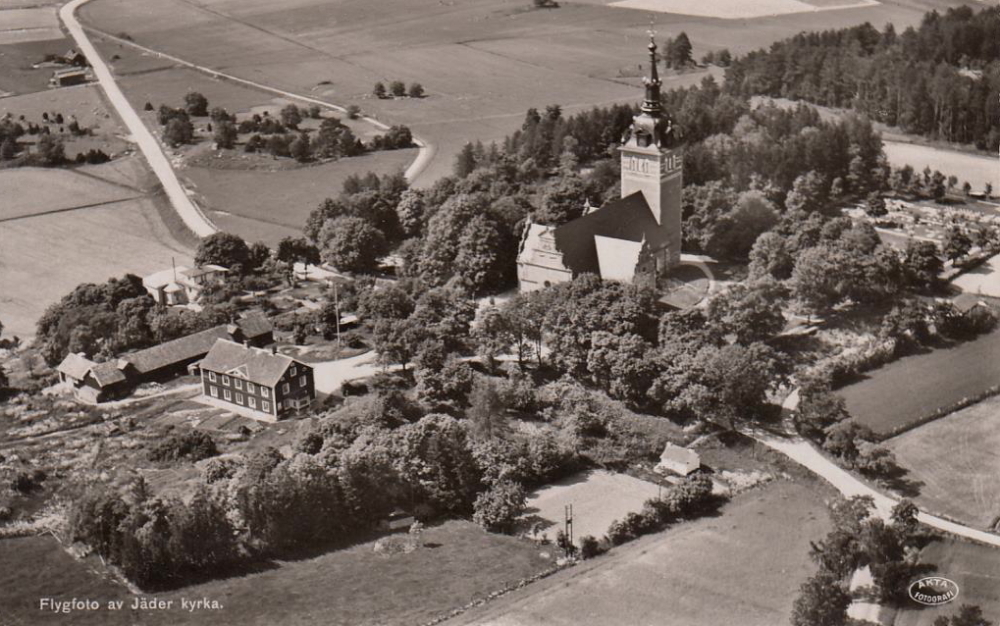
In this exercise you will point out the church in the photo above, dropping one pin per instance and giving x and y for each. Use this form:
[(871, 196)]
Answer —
[(637, 236)]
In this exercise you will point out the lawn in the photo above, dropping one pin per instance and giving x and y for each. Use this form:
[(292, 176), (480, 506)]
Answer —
[(743, 567), (269, 205), (459, 562), (975, 568), (598, 498), (957, 461), (907, 390), (482, 62), (984, 280), (976, 169), (94, 244)]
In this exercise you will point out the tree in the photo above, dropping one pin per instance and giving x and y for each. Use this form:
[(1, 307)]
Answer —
[(813, 279), (921, 263), (770, 257), (8, 149), (875, 205), (677, 52), (300, 148), (956, 244), (225, 249), (748, 313), (822, 601), (416, 90), (969, 615), (622, 365), (195, 104), (379, 90), (178, 131), (904, 517), (291, 116), (808, 194), (225, 134), (498, 508), (51, 150), (465, 161), (397, 88), (354, 111), (487, 410), (351, 244)]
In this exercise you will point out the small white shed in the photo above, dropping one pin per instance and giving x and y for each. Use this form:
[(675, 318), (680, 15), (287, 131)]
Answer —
[(678, 460)]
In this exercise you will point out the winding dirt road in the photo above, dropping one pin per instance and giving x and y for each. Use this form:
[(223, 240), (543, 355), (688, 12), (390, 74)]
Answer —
[(193, 218)]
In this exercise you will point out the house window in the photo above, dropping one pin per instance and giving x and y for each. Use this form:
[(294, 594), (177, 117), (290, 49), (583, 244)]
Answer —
[(293, 371), (285, 388), (225, 380), (250, 387), (264, 391), (302, 381), (265, 405), (239, 383), (214, 391), (228, 395), (253, 402), (211, 376), (239, 398)]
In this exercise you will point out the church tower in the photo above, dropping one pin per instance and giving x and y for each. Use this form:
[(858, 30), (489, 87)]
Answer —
[(652, 163)]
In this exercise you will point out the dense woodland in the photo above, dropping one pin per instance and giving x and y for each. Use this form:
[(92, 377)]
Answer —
[(940, 80)]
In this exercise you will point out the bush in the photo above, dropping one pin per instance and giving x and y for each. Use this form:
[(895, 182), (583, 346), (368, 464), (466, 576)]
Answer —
[(220, 469), (25, 482), (193, 445), (590, 547), (498, 508), (353, 112), (397, 88)]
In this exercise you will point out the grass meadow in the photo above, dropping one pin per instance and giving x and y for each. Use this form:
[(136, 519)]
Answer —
[(955, 458), (915, 387), (743, 567), (458, 563)]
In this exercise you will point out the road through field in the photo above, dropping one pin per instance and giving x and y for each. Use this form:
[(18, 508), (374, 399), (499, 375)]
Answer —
[(150, 147)]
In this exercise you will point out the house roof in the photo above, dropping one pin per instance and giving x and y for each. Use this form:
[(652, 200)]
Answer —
[(254, 364), (628, 219), (75, 366), (202, 270), (967, 301), (194, 346), (107, 373), (617, 258), (677, 454), (163, 278)]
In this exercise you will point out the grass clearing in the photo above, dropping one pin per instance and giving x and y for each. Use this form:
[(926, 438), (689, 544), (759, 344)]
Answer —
[(742, 567), (916, 386), (268, 205), (458, 563), (976, 169), (974, 567), (32, 191), (100, 242), (956, 459), (26, 24), (598, 498)]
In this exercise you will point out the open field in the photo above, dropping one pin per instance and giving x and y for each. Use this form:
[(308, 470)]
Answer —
[(94, 243), (511, 56), (978, 170), (16, 72), (19, 25), (983, 280), (355, 587), (975, 568), (36, 191), (957, 461), (915, 386), (261, 200), (598, 497), (743, 567), (722, 9)]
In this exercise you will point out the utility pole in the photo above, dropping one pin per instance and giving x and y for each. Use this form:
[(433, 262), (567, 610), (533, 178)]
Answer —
[(568, 510), (336, 307)]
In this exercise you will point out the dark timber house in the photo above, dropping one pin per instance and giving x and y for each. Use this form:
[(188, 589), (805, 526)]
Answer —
[(256, 382)]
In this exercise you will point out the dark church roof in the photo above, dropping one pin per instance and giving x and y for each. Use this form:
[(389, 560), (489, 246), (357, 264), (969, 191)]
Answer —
[(628, 218)]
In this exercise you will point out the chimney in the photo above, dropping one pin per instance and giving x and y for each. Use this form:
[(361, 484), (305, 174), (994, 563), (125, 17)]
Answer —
[(274, 350)]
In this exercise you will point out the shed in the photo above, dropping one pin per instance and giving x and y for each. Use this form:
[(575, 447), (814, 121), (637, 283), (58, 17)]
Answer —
[(678, 460), (967, 302)]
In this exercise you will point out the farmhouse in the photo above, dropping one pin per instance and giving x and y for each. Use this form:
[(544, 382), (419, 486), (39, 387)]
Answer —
[(181, 285), (255, 382), (99, 382), (678, 460), (637, 235), (68, 76)]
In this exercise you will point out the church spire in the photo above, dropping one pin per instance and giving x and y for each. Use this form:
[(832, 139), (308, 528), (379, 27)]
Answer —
[(651, 105)]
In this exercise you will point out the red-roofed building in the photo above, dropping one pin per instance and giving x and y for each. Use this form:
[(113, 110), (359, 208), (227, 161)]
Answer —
[(637, 235)]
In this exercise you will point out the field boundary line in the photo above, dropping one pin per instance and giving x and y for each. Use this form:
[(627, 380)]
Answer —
[(426, 150), (79, 207), (189, 212)]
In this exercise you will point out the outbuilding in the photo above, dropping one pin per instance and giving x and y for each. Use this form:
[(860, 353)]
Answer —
[(678, 460)]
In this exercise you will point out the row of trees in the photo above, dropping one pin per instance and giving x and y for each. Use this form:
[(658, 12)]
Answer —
[(398, 89), (938, 80)]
